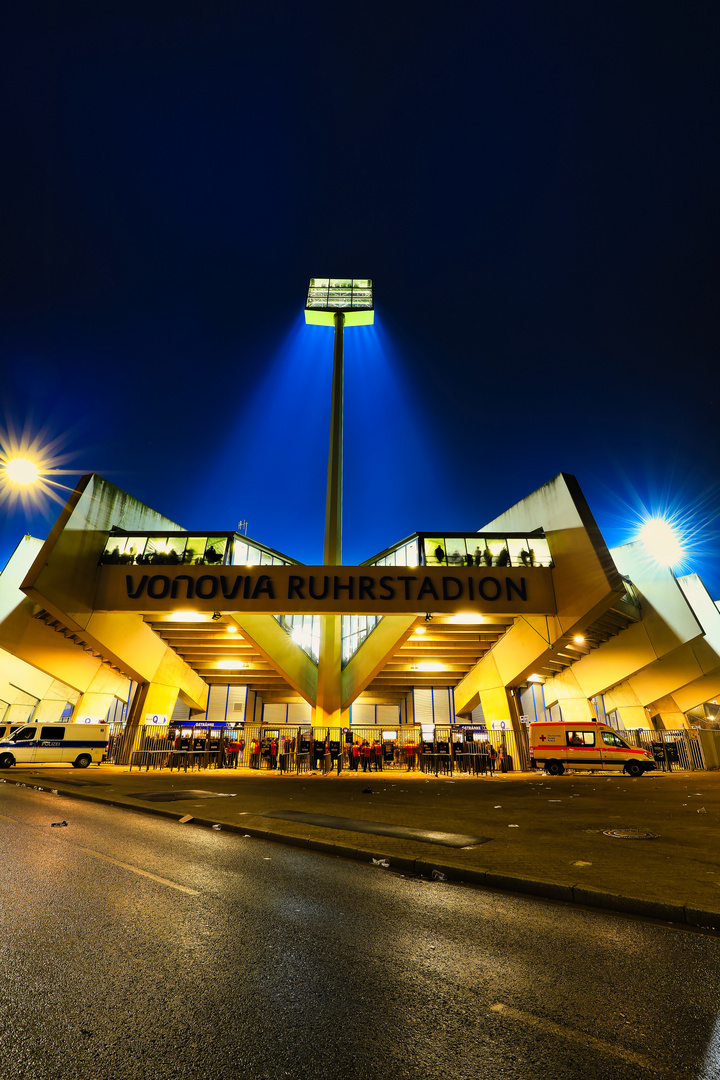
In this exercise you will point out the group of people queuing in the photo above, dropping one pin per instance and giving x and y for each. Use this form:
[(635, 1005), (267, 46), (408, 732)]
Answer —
[(278, 752), (480, 758), (366, 755), (270, 752)]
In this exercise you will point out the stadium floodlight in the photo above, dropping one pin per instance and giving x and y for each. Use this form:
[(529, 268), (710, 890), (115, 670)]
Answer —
[(351, 296)]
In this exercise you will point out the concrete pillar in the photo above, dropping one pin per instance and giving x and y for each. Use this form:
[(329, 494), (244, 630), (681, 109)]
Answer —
[(574, 705), (668, 712), (631, 712), (151, 699), (49, 711), (92, 706), (328, 708), (19, 713)]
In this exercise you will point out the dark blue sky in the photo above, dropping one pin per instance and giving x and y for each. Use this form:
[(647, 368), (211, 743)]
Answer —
[(532, 187)]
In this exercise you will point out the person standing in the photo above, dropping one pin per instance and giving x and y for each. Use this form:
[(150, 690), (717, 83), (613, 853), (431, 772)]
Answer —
[(493, 755)]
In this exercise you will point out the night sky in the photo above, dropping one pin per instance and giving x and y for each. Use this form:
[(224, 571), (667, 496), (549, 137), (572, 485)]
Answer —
[(533, 188)]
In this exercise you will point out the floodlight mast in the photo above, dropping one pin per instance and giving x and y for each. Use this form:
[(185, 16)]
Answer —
[(337, 302), (332, 551)]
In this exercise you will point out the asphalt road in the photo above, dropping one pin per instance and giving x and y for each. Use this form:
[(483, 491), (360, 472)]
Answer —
[(135, 947)]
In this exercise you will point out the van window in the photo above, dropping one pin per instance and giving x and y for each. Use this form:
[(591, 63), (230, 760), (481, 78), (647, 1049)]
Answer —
[(52, 733), (23, 734), (611, 739), (580, 738)]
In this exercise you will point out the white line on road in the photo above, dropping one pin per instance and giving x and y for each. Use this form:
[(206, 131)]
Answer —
[(115, 862), (528, 1019), (137, 870)]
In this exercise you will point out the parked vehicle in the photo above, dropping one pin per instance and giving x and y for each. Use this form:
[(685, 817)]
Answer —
[(591, 746), (79, 744), (7, 729)]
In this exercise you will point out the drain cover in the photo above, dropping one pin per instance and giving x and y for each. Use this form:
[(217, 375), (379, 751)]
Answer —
[(630, 834)]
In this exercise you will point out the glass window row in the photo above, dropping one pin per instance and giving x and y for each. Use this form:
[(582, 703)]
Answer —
[(182, 548), (475, 550), (472, 550)]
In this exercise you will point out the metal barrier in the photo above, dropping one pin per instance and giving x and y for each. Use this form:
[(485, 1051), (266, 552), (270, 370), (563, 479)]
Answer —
[(681, 748)]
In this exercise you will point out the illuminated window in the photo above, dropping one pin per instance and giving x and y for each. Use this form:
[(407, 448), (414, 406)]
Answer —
[(354, 630)]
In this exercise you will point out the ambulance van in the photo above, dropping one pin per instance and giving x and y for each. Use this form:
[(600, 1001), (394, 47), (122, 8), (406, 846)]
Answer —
[(78, 744), (587, 747)]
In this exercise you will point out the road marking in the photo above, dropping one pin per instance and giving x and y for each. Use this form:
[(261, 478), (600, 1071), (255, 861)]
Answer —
[(137, 870), (115, 862), (528, 1019)]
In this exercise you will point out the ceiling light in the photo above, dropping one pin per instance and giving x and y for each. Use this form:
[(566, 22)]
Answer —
[(230, 665)]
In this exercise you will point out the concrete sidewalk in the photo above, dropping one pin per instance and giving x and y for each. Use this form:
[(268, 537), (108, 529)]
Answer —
[(540, 834)]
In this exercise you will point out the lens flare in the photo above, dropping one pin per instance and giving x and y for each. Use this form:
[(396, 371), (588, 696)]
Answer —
[(662, 541), (21, 471), (29, 468)]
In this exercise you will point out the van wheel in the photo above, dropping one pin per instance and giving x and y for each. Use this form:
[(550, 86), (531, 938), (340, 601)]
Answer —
[(555, 768), (634, 768), (6, 761), (82, 762)]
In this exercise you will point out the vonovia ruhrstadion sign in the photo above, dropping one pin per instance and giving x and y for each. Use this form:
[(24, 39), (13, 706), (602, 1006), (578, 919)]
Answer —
[(342, 590)]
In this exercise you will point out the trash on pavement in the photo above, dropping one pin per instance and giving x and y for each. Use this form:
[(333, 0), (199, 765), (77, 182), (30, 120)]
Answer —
[(184, 820), (56, 824), (217, 826), (380, 862), (438, 876)]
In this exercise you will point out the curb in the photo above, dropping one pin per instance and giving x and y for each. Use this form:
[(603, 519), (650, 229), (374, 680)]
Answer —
[(683, 914)]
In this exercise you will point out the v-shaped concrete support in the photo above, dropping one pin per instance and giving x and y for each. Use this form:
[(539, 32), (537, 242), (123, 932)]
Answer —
[(279, 649)]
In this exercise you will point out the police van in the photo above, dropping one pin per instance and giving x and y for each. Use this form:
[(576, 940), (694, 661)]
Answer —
[(79, 744), (7, 729), (562, 745)]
